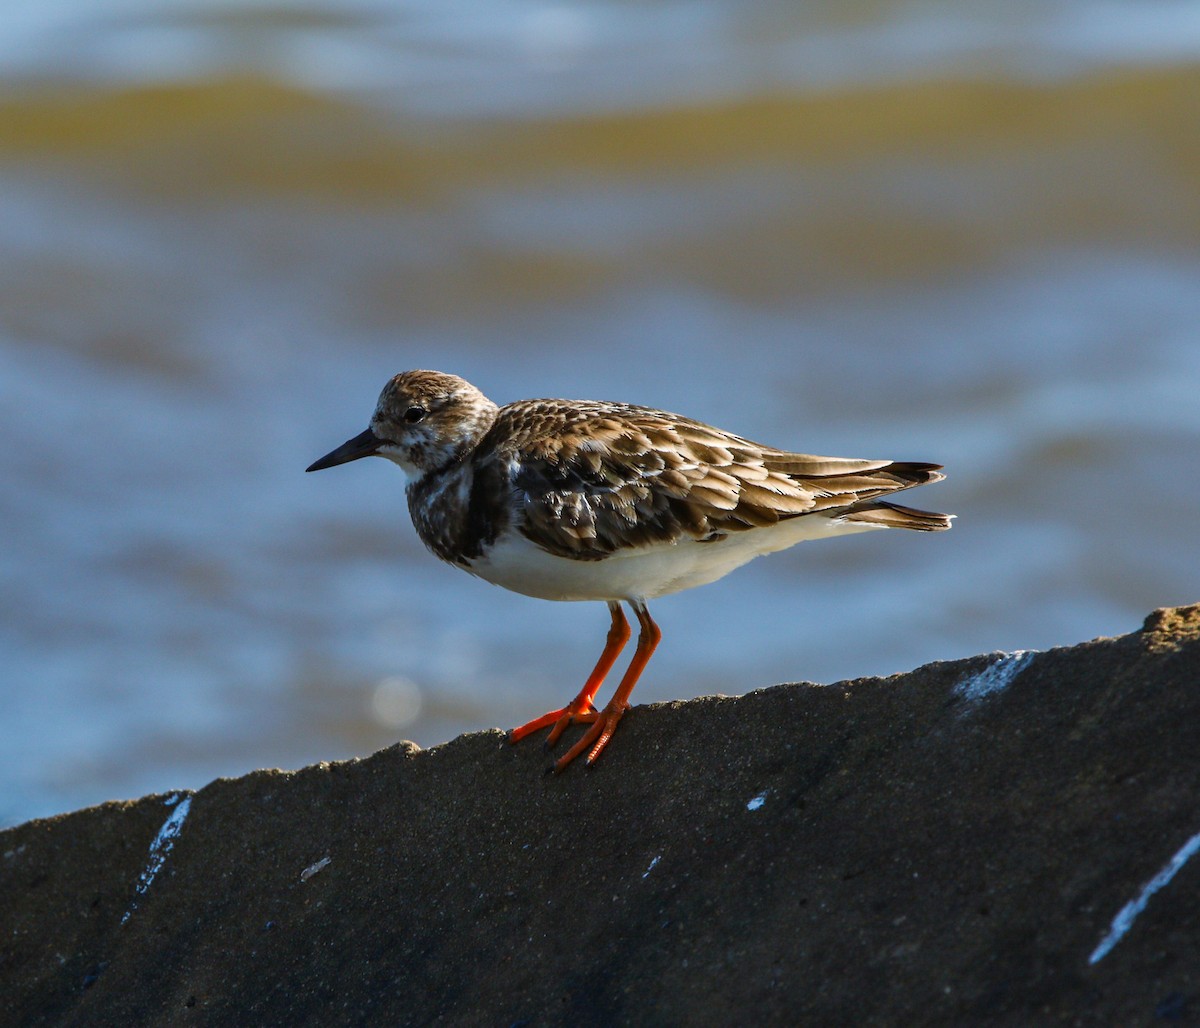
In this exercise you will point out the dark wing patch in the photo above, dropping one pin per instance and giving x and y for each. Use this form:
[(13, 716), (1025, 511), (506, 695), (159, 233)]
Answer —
[(594, 477)]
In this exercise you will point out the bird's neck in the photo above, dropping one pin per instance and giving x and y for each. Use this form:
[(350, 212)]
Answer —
[(446, 511)]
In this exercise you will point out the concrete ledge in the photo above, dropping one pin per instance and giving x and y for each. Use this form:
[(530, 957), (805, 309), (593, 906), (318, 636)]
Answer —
[(1005, 839)]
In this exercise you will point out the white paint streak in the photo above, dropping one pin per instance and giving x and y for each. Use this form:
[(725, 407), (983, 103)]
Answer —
[(162, 845), (312, 869), (995, 677), (1125, 917), (651, 867), (758, 800)]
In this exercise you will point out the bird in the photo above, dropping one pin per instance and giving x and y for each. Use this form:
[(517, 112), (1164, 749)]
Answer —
[(581, 500)]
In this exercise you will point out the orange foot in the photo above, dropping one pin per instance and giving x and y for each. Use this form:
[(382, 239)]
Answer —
[(596, 737), (559, 719), (581, 709)]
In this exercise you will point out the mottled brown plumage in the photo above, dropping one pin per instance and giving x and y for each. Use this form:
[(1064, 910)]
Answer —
[(593, 478), (581, 499)]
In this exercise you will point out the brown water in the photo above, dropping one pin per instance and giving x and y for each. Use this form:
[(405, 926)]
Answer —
[(923, 231)]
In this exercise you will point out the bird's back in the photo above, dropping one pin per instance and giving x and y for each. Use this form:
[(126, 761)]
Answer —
[(590, 478)]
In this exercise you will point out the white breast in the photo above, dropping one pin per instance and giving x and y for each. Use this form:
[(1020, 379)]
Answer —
[(645, 573)]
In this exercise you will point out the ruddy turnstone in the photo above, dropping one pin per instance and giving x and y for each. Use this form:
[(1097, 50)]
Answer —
[(587, 500)]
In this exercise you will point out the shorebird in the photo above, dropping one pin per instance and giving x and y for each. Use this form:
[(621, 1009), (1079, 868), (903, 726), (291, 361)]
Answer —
[(593, 500)]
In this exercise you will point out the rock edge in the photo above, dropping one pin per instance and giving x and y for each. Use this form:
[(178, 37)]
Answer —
[(958, 844)]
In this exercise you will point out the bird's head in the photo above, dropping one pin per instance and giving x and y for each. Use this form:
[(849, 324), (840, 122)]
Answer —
[(424, 420)]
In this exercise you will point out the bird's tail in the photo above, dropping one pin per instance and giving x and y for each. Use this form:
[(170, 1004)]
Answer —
[(892, 515)]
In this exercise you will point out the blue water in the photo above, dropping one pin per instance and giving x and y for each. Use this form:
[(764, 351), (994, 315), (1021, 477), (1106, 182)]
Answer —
[(193, 307)]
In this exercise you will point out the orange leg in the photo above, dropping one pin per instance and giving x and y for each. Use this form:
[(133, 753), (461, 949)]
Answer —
[(580, 708), (596, 737)]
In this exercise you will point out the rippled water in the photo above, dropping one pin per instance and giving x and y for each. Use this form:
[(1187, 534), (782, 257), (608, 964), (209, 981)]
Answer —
[(955, 232)]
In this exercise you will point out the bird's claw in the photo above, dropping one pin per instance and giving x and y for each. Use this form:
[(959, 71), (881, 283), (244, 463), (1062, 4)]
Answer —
[(557, 721), (595, 738)]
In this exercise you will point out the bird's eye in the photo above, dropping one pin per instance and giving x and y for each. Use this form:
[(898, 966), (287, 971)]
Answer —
[(414, 414)]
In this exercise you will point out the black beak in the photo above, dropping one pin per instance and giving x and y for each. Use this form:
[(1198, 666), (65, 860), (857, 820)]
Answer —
[(363, 445)]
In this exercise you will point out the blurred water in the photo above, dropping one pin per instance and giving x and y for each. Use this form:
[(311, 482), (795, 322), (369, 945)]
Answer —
[(956, 232)]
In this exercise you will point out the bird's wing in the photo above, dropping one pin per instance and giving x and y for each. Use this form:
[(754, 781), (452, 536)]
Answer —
[(592, 478)]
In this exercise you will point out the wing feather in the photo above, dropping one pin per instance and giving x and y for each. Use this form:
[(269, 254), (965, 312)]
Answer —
[(592, 478)]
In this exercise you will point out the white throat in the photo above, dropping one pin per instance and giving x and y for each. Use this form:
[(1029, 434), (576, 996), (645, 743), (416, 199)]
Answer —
[(391, 453)]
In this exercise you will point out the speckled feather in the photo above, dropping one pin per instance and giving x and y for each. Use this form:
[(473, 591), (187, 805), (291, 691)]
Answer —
[(586, 479), (593, 478), (582, 500)]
